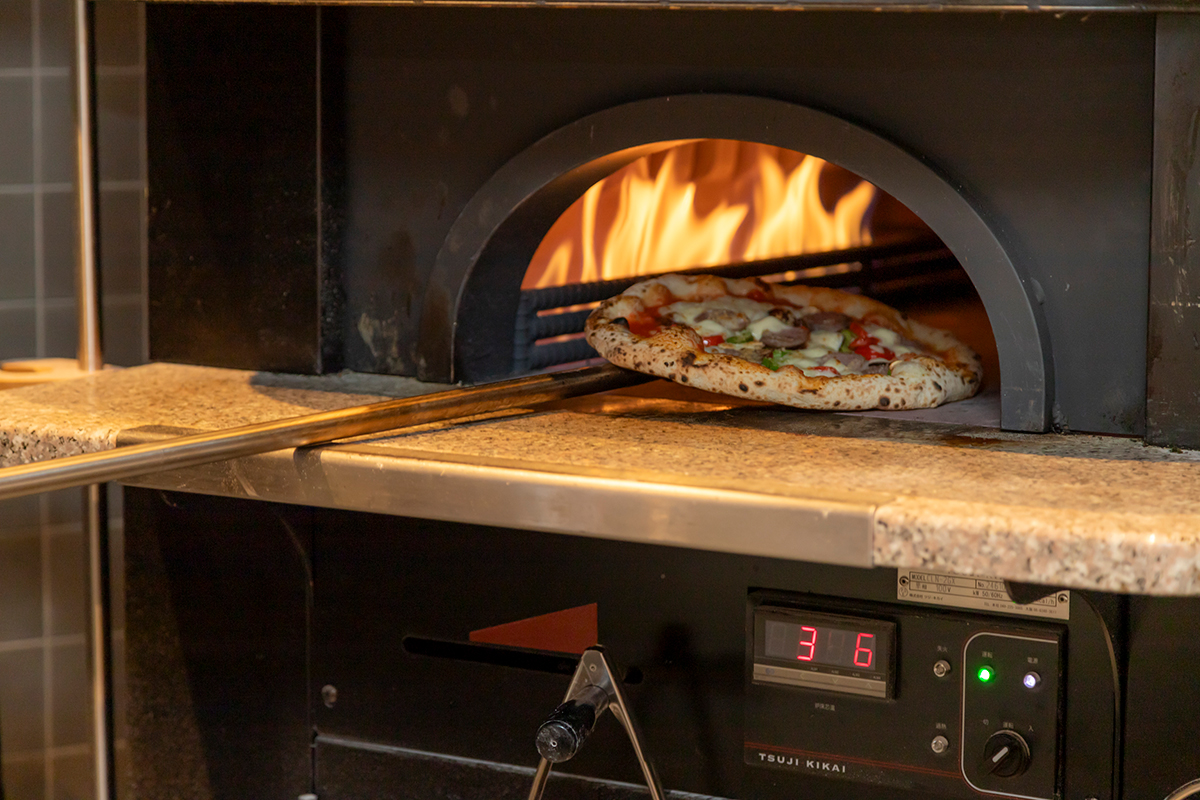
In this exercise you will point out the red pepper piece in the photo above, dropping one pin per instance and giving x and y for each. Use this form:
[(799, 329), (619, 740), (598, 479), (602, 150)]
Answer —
[(870, 351), (713, 341)]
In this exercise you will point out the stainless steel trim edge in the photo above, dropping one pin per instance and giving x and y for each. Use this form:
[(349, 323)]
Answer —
[(827, 529)]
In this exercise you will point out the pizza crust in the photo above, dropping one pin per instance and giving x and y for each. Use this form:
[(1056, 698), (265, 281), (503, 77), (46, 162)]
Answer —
[(677, 352)]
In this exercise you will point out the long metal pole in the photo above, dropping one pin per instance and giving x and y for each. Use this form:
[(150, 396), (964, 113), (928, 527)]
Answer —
[(320, 428), (91, 359)]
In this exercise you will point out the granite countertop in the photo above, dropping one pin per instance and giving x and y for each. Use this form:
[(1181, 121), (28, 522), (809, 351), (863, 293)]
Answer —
[(1082, 511)]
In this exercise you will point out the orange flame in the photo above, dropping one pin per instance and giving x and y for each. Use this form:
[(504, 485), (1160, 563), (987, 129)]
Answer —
[(701, 203)]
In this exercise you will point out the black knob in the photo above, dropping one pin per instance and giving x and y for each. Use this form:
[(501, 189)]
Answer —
[(557, 741), (1006, 755), (563, 733)]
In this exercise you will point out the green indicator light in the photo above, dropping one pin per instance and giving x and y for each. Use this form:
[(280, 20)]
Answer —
[(985, 674)]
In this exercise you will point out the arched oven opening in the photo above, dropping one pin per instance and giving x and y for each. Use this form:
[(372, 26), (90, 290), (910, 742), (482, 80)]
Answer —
[(702, 182)]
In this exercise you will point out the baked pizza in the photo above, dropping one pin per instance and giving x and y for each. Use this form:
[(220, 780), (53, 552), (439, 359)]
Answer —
[(809, 347)]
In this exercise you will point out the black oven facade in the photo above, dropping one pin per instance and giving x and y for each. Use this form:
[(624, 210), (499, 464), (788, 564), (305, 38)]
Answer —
[(362, 187), (276, 650), (412, 158)]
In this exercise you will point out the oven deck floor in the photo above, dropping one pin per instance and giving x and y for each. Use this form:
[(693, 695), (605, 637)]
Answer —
[(665, 464)]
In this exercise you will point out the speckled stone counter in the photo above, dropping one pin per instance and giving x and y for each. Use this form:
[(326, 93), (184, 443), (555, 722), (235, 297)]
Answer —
[(1073, 510)]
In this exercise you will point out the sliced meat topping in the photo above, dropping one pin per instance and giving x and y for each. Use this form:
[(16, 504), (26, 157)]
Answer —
[(726, 318), (787, 338), (786, 315), (876, 368), (827, 321), (853, 362)]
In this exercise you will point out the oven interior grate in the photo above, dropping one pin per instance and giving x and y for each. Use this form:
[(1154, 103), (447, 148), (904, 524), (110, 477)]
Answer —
[(550, 321)]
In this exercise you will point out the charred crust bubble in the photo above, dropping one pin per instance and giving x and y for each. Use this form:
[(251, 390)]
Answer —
[(670, 376), (837, 403), (687, 360), (743, 387), (621, 321), (683, 379), (759, 383), (937, 386), (884, 401)]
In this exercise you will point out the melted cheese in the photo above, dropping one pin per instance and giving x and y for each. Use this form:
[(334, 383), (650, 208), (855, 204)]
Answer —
[(886, 336), (764, 324), (830, 340)]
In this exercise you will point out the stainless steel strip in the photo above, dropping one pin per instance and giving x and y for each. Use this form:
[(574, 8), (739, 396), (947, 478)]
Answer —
[(820, 680), (805, 525), (187, 451)]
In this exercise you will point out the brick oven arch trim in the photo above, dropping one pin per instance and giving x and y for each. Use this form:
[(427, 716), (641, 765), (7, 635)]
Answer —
[(478, 270)]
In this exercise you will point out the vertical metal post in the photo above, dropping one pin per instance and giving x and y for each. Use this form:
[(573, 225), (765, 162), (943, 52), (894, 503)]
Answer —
[(87, 290), (91, 359)]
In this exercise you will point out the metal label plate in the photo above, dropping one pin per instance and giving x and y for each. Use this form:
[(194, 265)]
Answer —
[(977, 592)]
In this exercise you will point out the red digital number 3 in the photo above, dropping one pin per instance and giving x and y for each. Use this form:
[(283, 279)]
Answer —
[(868, 651), (811, 644)]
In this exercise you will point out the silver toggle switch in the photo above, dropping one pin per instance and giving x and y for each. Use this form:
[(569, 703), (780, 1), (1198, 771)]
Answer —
[(939, 744), (941, 668)]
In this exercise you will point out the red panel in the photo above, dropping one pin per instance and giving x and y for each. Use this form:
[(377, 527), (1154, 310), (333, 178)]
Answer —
[(571, 630)]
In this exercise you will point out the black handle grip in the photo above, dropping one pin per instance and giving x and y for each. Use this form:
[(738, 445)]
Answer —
[(564, 732)]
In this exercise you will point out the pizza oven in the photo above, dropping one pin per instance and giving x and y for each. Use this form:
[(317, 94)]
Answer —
[(396, 169), (364, 186)]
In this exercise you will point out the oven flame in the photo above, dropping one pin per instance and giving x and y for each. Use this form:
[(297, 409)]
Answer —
[(701, 203)]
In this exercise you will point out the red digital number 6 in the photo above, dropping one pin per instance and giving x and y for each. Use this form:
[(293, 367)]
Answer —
[(811, 644), (860, 650)]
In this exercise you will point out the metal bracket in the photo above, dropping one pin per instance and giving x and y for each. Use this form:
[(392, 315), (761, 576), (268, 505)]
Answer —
[(593, 689)]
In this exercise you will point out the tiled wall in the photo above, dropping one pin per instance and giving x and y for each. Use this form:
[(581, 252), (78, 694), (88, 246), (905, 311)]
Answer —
[(44, 706)]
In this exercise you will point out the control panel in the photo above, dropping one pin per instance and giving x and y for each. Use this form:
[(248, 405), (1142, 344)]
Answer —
[(1010, 713), (943, 703)]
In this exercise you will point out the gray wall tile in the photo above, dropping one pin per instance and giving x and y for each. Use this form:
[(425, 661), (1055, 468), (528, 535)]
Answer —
[(16, 129), (58, 244), (118, 34), (124, 334), (19, 516), (58, 130), (65, 505), (15, 40), (18, 333), (68, 566), (57, 32), (20, 589), (121, 241), (21, 697), (71, 703), (73, 778), (62, 338), (27, 545), (16, 245), (119, 118), (25, 778)]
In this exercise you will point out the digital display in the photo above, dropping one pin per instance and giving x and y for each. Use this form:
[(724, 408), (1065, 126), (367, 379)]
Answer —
[(822, 644), (830, 652)]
